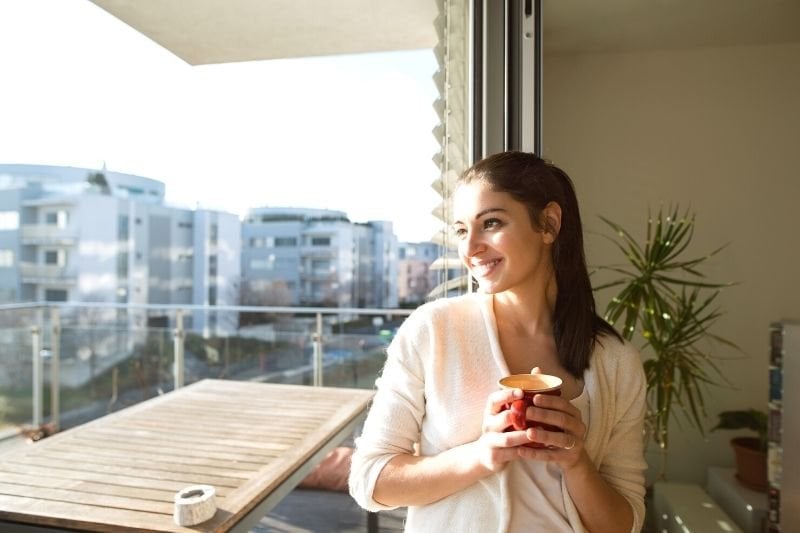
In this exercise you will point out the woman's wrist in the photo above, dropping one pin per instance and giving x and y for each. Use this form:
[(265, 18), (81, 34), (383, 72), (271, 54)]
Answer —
[(580, 468)]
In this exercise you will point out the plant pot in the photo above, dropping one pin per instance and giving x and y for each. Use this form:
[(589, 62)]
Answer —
[(751, 463)]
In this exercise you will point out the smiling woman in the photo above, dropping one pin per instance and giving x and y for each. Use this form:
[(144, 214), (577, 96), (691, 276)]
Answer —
[(519, 233)]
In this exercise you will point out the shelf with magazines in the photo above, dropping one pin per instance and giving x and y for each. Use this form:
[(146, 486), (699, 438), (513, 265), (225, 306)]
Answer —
[(783, 459)]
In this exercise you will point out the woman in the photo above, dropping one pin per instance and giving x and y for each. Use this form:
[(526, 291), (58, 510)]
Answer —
[(519, 235)]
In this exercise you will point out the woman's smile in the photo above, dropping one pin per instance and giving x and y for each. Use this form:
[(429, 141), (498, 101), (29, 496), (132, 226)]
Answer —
[(484, 269)]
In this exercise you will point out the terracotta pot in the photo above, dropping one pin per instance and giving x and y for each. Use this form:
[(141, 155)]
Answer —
[(751, 463)]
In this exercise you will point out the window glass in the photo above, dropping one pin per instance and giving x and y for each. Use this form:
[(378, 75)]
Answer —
[(285, 241), (56, 218), (321, 265), (55, 295), (52, 257)]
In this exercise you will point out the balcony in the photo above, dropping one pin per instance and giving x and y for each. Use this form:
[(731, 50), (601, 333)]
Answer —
[(319, 275), (318, 252), (47, 234), (68, 364), (51, 274)]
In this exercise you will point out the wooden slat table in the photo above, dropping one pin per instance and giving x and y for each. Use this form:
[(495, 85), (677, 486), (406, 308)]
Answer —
[(254, 442)]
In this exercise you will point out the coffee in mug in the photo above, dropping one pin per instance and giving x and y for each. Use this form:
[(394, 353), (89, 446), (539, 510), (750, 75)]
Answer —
[(531, 385)]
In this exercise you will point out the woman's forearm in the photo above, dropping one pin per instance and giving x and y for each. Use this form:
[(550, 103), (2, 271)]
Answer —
[(420, 480), (601, 508)]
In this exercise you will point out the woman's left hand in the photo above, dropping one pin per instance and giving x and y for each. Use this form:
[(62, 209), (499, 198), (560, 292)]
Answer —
[(564, 448)]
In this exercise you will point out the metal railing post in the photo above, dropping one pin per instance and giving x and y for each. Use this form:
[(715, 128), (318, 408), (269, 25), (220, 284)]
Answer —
[(178, 338), (55, 370), (36, 347), (317, 363)]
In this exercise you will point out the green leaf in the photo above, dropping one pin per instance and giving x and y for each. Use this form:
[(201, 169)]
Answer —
[(665, 300)]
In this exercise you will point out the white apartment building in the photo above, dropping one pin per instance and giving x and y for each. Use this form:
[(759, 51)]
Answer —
[(76, 234), (301, 256)]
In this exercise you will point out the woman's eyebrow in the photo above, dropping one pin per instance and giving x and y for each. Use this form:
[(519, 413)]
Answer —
[(483, 213), (489, 210)]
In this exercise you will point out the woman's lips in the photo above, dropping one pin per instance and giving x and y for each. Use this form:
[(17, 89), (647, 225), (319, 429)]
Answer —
[(485, 268)]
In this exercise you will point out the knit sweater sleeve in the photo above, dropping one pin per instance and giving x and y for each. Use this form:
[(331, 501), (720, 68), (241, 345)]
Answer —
[(393, 424), (623, 465)]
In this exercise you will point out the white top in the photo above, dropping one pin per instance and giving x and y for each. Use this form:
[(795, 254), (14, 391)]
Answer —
[(541, 507), (441, 366)]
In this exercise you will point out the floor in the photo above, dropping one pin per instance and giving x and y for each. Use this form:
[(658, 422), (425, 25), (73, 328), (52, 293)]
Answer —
[(323, 512)]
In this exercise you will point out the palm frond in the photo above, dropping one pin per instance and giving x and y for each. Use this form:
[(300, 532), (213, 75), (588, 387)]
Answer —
[(665, 300)]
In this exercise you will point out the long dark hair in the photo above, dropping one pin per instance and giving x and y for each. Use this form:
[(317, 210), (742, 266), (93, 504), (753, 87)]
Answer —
[(535, 182)]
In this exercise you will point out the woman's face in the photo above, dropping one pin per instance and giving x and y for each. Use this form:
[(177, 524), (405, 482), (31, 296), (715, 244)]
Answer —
[(497, 240)]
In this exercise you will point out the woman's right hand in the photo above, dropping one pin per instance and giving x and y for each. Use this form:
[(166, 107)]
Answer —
[(496, 447)]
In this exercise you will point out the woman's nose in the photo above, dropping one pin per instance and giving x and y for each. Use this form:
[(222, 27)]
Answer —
[(473, 244)]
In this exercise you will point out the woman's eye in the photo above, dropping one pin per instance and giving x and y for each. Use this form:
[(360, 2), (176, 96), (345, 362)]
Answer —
[(490, 223), (459, 232)]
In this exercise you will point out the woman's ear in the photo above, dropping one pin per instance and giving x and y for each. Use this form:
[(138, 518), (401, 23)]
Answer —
[(551, 222)]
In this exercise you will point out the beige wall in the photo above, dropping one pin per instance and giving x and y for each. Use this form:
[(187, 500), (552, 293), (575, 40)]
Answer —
[(717, 129)]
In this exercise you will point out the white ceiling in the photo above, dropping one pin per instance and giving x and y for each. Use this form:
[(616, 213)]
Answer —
[(218, 31)]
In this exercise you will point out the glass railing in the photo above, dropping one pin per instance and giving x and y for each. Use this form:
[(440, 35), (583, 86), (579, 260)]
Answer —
[(65, 364)]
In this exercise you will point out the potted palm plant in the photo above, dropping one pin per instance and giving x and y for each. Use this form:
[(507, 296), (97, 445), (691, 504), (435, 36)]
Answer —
[(666, 304)]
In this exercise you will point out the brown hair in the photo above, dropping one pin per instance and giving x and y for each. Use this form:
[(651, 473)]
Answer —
[(535, 182)]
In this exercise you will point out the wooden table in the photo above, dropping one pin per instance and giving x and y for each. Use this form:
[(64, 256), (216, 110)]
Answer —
[(254, 442)]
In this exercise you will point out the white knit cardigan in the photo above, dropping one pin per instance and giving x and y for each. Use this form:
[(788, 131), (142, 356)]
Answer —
[(441, 366)]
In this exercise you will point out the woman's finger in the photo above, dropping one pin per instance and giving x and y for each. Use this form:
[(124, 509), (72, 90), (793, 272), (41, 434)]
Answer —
[(498, 400), (555, 403)]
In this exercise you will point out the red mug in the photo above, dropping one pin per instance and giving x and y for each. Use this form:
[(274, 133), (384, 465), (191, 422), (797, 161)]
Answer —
[(531, 385)]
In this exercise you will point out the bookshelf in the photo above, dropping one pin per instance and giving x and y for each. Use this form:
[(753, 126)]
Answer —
[(783, 456)]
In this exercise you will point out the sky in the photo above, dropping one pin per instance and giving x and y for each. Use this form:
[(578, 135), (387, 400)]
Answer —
[(80, 88)]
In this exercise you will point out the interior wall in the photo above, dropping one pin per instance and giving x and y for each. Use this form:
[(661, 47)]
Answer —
[(714, 129)]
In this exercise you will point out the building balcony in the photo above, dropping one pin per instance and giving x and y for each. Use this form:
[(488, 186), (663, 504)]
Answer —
[(324, 252), (319, 275), (39, 273), (47, 234)]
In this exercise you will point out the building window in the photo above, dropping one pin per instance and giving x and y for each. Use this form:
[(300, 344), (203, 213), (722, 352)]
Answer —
[(285, 241), (185, 225), (55, 295), (320, 241), (122, 227), (56, 218), (257, 242), (321, 266), (6, 258), (122, 265), (212, 265), (9, 220), (52, 257)]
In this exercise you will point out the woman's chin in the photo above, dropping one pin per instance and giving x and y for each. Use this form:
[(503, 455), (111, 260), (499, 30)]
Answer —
[(487, 287)]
